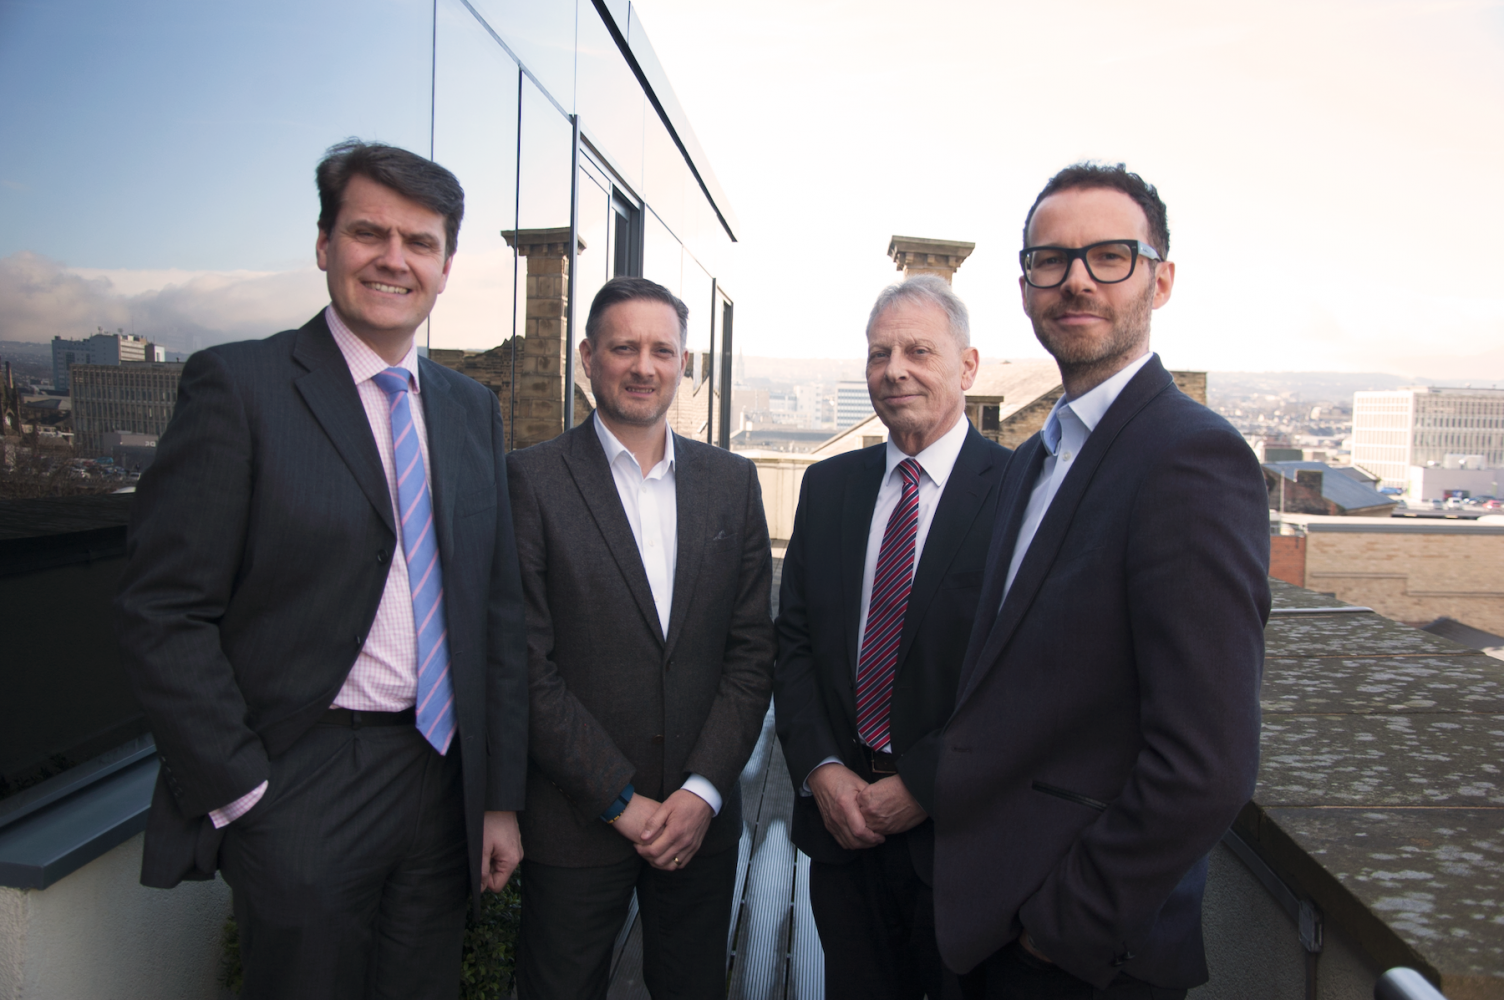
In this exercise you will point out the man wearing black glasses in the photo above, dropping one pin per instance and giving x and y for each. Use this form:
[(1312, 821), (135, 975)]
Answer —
[(1107, 721)]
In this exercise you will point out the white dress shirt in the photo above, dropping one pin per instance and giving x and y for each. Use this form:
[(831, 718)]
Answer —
[(1064, 434), (935, 464), (652, 508)]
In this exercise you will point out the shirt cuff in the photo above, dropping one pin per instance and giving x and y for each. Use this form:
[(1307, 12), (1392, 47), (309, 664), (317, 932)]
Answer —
[(804, 788), (230, 813), (701, 786)]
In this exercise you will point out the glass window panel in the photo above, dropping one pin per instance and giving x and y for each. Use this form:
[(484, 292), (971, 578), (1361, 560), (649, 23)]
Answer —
[(475, 135), (158, 161), (662, 256), (162, 92), (611, 101), (594, 262), (664, 174), (541, 32), (547, 159), (544, 172), (696, 295)]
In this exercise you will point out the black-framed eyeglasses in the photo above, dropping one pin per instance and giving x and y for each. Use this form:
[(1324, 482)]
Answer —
[(1108, 262)]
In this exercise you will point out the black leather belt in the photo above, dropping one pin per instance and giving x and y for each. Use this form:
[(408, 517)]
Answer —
[(356, 719), (880, 761)]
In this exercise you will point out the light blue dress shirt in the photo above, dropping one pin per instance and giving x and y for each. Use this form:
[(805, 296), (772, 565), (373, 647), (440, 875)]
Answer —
[(1064, 434)]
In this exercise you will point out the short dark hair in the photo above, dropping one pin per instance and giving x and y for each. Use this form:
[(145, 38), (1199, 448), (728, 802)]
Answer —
[(410, 175), (1118, 178), (619, 290)]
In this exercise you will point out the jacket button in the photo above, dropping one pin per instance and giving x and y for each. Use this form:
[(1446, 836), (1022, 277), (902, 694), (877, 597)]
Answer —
[(380, 556), (359, 641), (658, 740)]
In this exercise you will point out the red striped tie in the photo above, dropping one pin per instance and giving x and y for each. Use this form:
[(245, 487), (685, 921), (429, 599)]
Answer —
[(891, 584)]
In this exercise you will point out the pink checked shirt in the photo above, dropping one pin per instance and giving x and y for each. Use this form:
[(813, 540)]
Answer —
[(385, 675)]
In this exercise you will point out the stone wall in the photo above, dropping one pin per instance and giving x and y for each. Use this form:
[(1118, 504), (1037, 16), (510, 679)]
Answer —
[(1015, 429), (1413, 576)]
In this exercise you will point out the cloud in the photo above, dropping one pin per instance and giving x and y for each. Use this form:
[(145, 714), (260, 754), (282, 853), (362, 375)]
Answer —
[(182, 310)]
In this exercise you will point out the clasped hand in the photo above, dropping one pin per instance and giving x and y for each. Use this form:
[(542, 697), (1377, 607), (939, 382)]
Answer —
[(666, 834), (859, 814)]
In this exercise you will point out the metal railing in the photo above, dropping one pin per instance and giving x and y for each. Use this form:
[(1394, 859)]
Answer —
[(1400, 983)]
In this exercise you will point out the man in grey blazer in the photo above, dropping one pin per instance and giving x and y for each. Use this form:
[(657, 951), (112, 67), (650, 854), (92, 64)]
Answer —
[(322, 617), (647, 574)]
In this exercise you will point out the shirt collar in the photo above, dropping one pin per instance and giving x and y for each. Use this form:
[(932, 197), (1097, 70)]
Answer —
[(615, 449), (365, 363), (938, 459), (1090, 407)]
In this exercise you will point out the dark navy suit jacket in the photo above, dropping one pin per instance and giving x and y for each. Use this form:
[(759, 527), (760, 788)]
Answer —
[(1106, 729), (820, 605), (259, 545)]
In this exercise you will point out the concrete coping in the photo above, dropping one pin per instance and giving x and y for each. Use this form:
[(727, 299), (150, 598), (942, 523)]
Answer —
[(1315, 523), (55, 828)]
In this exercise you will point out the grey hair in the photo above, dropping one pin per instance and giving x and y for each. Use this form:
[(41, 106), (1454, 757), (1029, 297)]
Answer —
[(931, 289)]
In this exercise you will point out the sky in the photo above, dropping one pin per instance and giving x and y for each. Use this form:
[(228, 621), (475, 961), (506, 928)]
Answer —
[(1331, 167)]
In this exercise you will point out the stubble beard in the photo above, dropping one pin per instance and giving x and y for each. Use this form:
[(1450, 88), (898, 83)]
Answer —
[(634, 413), (1084, 358)]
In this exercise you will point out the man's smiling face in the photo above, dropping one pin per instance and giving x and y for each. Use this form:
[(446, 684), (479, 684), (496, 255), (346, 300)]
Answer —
[(385, 259)]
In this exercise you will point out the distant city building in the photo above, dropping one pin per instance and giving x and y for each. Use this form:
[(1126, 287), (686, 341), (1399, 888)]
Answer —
[(1395, 429), (1298, 487), (853, 403), (134, 398), (100, 349)]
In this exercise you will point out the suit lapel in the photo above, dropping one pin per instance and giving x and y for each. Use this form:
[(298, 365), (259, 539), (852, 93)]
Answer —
[(965, 492), (857, 505), (586, 461), (329, 390), (692, 501), (445, 421), (1150, 381)]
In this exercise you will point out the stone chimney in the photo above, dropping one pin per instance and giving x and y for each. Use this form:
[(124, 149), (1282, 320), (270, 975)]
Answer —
[(538, 382), (915, 256)]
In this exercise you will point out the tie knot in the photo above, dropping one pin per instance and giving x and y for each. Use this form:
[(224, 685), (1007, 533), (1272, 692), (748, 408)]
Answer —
[(909, 469), (392, 381)]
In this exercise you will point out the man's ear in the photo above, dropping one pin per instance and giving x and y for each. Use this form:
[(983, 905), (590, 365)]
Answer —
[(321, 249)]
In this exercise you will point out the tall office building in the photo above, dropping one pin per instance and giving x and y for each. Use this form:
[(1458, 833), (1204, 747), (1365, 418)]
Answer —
[(853, 403), (1396, 429), (136, 398), (100, 349)]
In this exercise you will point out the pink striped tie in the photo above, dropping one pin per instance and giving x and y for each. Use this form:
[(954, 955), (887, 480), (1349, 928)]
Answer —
[(891, 584)]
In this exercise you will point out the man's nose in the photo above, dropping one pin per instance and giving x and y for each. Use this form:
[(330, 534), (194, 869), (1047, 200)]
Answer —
[(1077, 278), (392, 256)]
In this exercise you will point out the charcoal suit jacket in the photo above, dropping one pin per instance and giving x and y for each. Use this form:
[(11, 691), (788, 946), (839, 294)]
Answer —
[(1106, 730), (819, 614), (613, 700), (259, 546)]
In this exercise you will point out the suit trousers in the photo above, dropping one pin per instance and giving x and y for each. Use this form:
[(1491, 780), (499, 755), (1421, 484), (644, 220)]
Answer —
[(1011, 973), (876, 919), (350, 876), (571, 917)]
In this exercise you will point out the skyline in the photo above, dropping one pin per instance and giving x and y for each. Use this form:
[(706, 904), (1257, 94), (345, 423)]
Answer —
[(1346, 130)]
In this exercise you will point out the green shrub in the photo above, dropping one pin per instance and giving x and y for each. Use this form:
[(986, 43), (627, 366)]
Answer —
[(487, 967)]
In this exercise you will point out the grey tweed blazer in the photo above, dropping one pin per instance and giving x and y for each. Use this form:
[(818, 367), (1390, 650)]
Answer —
[(612, 701)]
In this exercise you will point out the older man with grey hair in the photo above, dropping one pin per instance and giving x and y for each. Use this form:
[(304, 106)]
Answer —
[(880, 587)]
